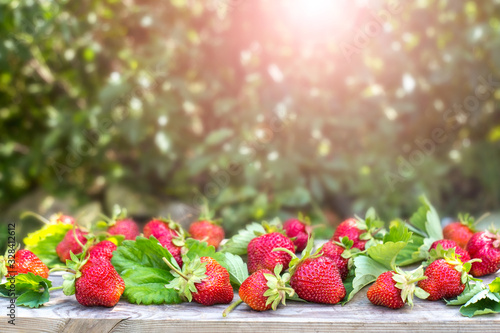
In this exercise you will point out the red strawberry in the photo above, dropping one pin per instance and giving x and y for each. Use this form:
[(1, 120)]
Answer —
[(340, 253), (207, 231), (450, 244), (70, 244), (167, 241), (64, 219), (99, 284), (24, 262), (102, 250), (315, 278), (394, 289), (300, 230), (207, 277), (460, 232), (261, 255), (160, 227), (485, 246), (264, 290), (125, 227), (446, 278)]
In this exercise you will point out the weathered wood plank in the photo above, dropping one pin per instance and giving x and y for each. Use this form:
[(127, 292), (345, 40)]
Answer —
[(64, 314)]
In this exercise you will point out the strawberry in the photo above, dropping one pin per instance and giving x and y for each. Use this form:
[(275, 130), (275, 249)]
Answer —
[(299, 231), (315, 278), (102, 250), (358, 230), (261, 255), (72, 242), (207, 231), (461, 231), (446, 277), (24, 262), (340, 253), (99, 284), (203, 280), (120, 224), (448, 244), (125, 227), (393, 289), (486, 247), (264, 289), (170, 235)]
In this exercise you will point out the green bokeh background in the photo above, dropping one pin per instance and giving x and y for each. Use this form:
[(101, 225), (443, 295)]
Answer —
[(249, 105)]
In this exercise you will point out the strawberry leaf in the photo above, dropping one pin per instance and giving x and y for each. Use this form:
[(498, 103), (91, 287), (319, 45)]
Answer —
[(202, 249), (470, 291), (28, 289), (367, 270), (238, 243), (494, 285), (44, 241), (141, 266), (238, 271), (484, 302), (395, 241)]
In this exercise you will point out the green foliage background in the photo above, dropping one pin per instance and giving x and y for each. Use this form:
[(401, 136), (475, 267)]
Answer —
[(163, 97)]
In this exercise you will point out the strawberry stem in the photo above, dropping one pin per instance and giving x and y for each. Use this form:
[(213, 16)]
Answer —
[(175, 269), (231, 307), (55, 288), (35, 215), (62, 269)]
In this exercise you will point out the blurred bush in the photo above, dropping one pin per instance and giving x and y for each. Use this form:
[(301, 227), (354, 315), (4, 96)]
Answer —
[(239, 103)]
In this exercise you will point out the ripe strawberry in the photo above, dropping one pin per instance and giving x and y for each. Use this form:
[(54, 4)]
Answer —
[(449, 244), (207, 231), (102, 250), (64, 219), (446, 278), (358, 230), (24, 262), (126, 227), (300, 230), (393, 289), (461, 231), (485, 246), (170, 235), (315, 278), (99, 284), (207, 277), (261, 255), (264, 289), (340, 253), (70, 244)]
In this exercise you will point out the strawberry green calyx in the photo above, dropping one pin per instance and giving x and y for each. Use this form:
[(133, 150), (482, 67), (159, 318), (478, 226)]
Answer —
[(406, 281), (440, 253), (304, 218), (464, 268), (306, 254), (347, 244), (184, 281), (467, 220), (371, 223), (74, 265), (277, 287)]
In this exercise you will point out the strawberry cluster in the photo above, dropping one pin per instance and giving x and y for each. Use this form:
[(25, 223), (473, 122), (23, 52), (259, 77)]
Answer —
[(111, 259)]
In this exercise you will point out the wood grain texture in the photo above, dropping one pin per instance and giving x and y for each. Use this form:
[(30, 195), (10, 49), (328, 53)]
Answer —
[(65, 314)]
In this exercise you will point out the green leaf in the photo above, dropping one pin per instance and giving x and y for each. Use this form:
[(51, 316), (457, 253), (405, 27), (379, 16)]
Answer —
[(395, 241), (484, 302), (238, 243), (44, 241), (141, 266), (69, 284), (411, 253), (367, 270), (202, 249), (470, 291), (28, 289), (218, 136), (34, 299), (236, 267), (494, 285), (433, 223)]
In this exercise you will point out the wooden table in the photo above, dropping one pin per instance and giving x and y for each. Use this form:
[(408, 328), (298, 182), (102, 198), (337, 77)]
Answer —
[(65, 314)]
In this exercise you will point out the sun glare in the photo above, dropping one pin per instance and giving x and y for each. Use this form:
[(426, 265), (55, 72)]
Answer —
[(315, 11)]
